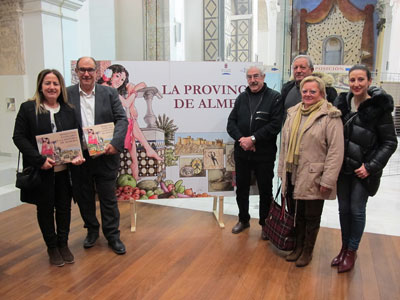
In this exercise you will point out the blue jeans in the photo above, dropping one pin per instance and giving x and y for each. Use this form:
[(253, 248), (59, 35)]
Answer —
[(352, 196)]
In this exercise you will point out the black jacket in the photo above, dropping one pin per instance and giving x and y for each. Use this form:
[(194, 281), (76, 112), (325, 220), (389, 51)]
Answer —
[(369, 135), (264, 124), (26, 128)]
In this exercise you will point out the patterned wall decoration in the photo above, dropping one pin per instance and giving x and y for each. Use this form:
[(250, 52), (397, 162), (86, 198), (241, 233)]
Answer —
[(148, 167), (328, 12), (211, 29), (157, 29), (11, 32), (240, 35), (336, 24)]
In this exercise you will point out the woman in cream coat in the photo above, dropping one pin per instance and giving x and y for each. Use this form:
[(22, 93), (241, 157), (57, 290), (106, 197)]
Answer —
[(310, 158)]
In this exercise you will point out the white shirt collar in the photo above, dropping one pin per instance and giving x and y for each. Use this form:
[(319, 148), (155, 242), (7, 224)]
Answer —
[(83, 92)]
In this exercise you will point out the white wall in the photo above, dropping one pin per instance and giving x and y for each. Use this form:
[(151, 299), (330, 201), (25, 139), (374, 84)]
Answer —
[(129, 26), (10, 87)]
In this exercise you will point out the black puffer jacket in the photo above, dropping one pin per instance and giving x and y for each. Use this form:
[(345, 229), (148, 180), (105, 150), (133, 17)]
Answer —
[(264, 124), (369, 135)]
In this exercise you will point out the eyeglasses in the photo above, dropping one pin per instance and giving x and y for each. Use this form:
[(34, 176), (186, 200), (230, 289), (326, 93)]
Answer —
[(312, 92), (255, 76), (84, 70)]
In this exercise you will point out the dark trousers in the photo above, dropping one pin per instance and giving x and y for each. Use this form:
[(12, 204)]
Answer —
[(308, 216), (264, 172), (353, 197), (94, 176), (56, 203)]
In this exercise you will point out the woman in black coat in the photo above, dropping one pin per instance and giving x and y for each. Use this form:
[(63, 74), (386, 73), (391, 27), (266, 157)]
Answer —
[(48, 111), (370, 140)]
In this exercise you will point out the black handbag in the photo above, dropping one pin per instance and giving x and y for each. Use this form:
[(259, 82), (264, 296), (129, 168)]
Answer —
[(29, 178)]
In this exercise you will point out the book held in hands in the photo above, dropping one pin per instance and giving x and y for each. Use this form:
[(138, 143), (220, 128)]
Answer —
[(62, 146), (98, 137)]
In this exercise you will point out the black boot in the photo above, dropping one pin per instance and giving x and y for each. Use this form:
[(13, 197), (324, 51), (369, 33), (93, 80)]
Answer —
[(55, 257)]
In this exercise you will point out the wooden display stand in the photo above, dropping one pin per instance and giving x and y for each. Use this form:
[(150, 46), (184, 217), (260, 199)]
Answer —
[(218, 211)]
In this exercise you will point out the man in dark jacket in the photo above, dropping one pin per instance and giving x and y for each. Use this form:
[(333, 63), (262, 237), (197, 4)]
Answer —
[(96, 104), (254, 124), (302, 67)]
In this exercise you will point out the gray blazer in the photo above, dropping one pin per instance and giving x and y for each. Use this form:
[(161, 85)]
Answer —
[(108, 108)]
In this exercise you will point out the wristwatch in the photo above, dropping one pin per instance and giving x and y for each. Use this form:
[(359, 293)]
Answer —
[(253, 139)]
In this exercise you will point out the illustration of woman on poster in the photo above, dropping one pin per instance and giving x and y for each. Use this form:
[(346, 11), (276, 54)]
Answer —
[(117, 77)]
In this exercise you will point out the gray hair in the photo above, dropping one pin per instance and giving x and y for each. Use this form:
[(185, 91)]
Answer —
[(261, 68), (307, 57)]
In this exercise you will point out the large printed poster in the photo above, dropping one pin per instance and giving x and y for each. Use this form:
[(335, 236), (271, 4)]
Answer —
[(177, 144)]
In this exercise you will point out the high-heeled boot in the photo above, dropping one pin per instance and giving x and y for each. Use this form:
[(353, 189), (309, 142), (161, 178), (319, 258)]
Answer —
[(348, 261), (339, 258)]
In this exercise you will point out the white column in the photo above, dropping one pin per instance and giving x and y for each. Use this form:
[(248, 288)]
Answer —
[(102, 29), (193, 30), (393, 59), (50, 37), (129, 30)]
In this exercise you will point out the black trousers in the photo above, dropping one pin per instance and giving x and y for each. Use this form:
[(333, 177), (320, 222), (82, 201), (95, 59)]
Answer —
[(264, 172), (55, 205), (95, 176)]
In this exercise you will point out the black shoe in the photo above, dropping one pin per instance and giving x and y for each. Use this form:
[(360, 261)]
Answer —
[(90, 240), (239, 227), (117, 246), (66, 254), (55, 257)]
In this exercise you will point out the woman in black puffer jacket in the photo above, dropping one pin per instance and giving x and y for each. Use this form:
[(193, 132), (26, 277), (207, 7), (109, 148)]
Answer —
[(370, 140)]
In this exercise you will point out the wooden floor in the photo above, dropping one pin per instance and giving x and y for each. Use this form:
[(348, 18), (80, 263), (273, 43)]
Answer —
[(183, 254)]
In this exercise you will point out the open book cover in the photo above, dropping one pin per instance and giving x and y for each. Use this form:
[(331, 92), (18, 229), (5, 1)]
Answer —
[(62, 146), (98, 137)]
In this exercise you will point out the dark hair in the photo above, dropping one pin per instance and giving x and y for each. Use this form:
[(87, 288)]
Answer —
[(361, 67), (116, 69), (79, 59), (38, 97)]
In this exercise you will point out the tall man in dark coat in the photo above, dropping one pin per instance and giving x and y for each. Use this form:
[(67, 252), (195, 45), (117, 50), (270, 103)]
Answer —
[(96, 104), (254, 124)]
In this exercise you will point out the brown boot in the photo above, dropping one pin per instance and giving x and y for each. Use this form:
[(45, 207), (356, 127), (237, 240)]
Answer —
[(309, 242), (339, 258), (295, 254), (348, 261)]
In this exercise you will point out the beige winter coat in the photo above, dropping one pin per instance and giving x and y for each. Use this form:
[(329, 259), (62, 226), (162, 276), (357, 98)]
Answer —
[(320, 157)]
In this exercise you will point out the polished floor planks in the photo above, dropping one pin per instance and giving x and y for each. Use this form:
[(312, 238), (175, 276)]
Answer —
[(182, 254)]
